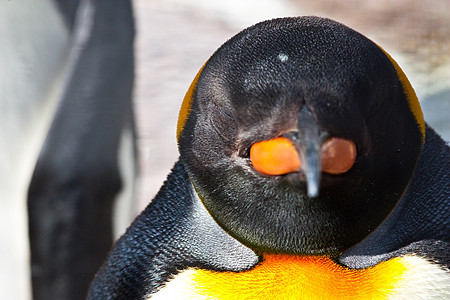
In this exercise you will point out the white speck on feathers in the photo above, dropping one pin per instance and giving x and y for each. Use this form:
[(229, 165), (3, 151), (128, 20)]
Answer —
[(283, 57)]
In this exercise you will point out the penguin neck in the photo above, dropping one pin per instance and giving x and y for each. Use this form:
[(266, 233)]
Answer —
[(280, 276), (286, 276), (312, 276)]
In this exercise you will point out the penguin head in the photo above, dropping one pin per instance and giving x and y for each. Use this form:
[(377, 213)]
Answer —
[(299, 136)]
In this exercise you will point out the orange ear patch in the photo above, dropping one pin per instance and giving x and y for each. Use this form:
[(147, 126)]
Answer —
[(185, 109), (275, 157), (338, 155)]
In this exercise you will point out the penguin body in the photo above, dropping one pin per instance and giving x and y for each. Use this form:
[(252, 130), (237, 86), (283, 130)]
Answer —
[(227, 225), (86, 165), (66, 142)]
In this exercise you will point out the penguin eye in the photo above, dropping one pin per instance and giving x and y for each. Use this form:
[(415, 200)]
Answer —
[(226, 115), (244, 152), (338, 155), (222, 112)]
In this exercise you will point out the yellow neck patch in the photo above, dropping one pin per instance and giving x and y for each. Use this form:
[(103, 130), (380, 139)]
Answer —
[(282, 277), (187, 104), (413, 101), (300, 277)]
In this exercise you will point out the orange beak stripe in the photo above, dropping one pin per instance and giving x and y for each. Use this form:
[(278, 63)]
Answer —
[(279, 156), (338, 155), (275, 157)]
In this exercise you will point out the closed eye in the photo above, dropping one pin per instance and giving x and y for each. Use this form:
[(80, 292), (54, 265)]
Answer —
[(226, 115)]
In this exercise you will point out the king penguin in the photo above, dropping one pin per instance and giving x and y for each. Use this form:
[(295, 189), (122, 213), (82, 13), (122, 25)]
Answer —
[(306, 171)]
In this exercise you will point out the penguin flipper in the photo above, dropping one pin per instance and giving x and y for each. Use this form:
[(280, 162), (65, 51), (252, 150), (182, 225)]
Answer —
[(419, 223), (173, 233), (432, 250)]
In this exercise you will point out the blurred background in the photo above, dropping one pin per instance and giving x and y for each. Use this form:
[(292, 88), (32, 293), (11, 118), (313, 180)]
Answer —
[(175, 38)]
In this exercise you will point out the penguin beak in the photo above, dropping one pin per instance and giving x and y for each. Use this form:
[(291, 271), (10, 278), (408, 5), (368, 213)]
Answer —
[(304, 150), (293, 152), (309, 144), (319, 153)]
